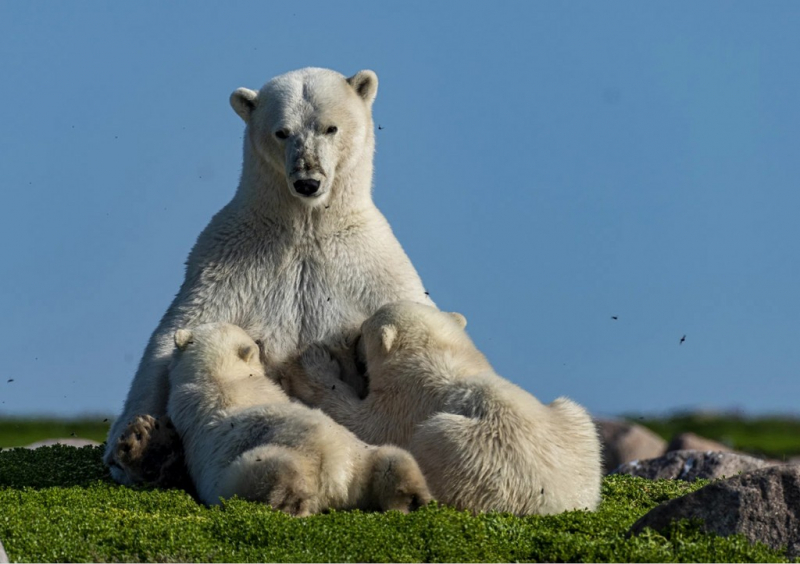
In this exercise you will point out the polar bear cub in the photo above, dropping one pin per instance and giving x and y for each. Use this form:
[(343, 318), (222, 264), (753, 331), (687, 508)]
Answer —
[(243, 436), (483, 443)]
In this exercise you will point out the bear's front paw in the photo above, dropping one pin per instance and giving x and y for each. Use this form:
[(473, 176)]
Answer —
[(150, 450), (131, 446)]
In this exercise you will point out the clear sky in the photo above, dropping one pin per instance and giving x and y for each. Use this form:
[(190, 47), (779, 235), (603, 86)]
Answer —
[(546, 166)]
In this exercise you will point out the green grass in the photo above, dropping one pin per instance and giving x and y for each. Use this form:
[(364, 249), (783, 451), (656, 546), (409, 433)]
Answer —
[(775, 437), (770, 436), (24, 431), (58, 504)]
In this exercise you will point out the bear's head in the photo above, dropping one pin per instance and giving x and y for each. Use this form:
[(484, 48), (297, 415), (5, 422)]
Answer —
[(221, 348), (405, 331), (310, 126)]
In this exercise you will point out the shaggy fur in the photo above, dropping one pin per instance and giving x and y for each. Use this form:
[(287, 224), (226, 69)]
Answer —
[(289, 268), (483, 443), (243, 436)]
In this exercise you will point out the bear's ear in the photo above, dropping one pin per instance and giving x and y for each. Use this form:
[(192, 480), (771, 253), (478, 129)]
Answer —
[(460, 319), (183, 338), (388, 335), (243, 102), (365, 83), (246, 352)]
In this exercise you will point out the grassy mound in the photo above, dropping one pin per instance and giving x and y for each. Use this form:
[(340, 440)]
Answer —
[(21, 431), (771, 436), (58, 504)]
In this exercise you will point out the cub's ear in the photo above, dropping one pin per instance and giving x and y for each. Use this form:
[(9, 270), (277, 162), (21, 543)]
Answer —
[(183, 338), (460, 319), (365, 83), (388, 335), (243, 102), (246, 352)]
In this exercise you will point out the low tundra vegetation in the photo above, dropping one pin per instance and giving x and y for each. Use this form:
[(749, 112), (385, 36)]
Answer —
[(58, 504)]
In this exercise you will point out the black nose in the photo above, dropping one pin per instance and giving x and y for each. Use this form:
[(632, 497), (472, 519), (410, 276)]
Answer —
[(307, 187)]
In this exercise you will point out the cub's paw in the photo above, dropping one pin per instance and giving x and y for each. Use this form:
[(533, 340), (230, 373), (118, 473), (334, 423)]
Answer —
[(407, 501), (292, 499), (319, 365), (398, 482), (348, 350), (311, 375)]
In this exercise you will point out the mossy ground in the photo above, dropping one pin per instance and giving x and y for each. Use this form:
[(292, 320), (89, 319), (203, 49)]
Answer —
[(58, 504)]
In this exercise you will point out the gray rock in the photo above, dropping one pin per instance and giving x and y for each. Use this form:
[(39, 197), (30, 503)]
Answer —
[(763, 505), (73, 441), (690, 441), (690, 465), (623, 441), (3, 555)]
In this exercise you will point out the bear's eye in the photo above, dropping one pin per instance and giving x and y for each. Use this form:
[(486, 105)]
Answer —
[(282, 134), (331, 130)]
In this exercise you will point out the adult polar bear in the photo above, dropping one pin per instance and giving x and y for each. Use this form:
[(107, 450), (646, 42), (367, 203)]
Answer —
[(300, 254)]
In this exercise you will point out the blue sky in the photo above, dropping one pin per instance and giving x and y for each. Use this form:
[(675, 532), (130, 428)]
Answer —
[(546, 166)]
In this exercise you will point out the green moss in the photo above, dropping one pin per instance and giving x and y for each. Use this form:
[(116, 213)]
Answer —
[(58, 504), (53, 466)]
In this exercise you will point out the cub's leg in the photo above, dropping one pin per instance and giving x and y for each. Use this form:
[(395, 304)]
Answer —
[(277, 476)]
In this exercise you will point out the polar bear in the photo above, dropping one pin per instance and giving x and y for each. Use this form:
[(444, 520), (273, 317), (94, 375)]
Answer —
[(299, 255), (483, 443), (243, 436)]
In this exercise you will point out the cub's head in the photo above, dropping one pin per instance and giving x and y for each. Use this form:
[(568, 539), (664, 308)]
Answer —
[(405, 330), (219, 348), (309, 126)]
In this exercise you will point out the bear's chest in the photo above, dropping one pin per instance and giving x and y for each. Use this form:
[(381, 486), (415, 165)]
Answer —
[(302, 292)]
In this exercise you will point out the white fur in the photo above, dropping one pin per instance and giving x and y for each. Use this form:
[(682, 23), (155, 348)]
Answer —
[(291, 270), (483, 443), (243, 436)]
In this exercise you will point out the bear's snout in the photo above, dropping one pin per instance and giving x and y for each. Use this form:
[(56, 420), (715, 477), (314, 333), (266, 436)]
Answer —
[(306, 186)]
